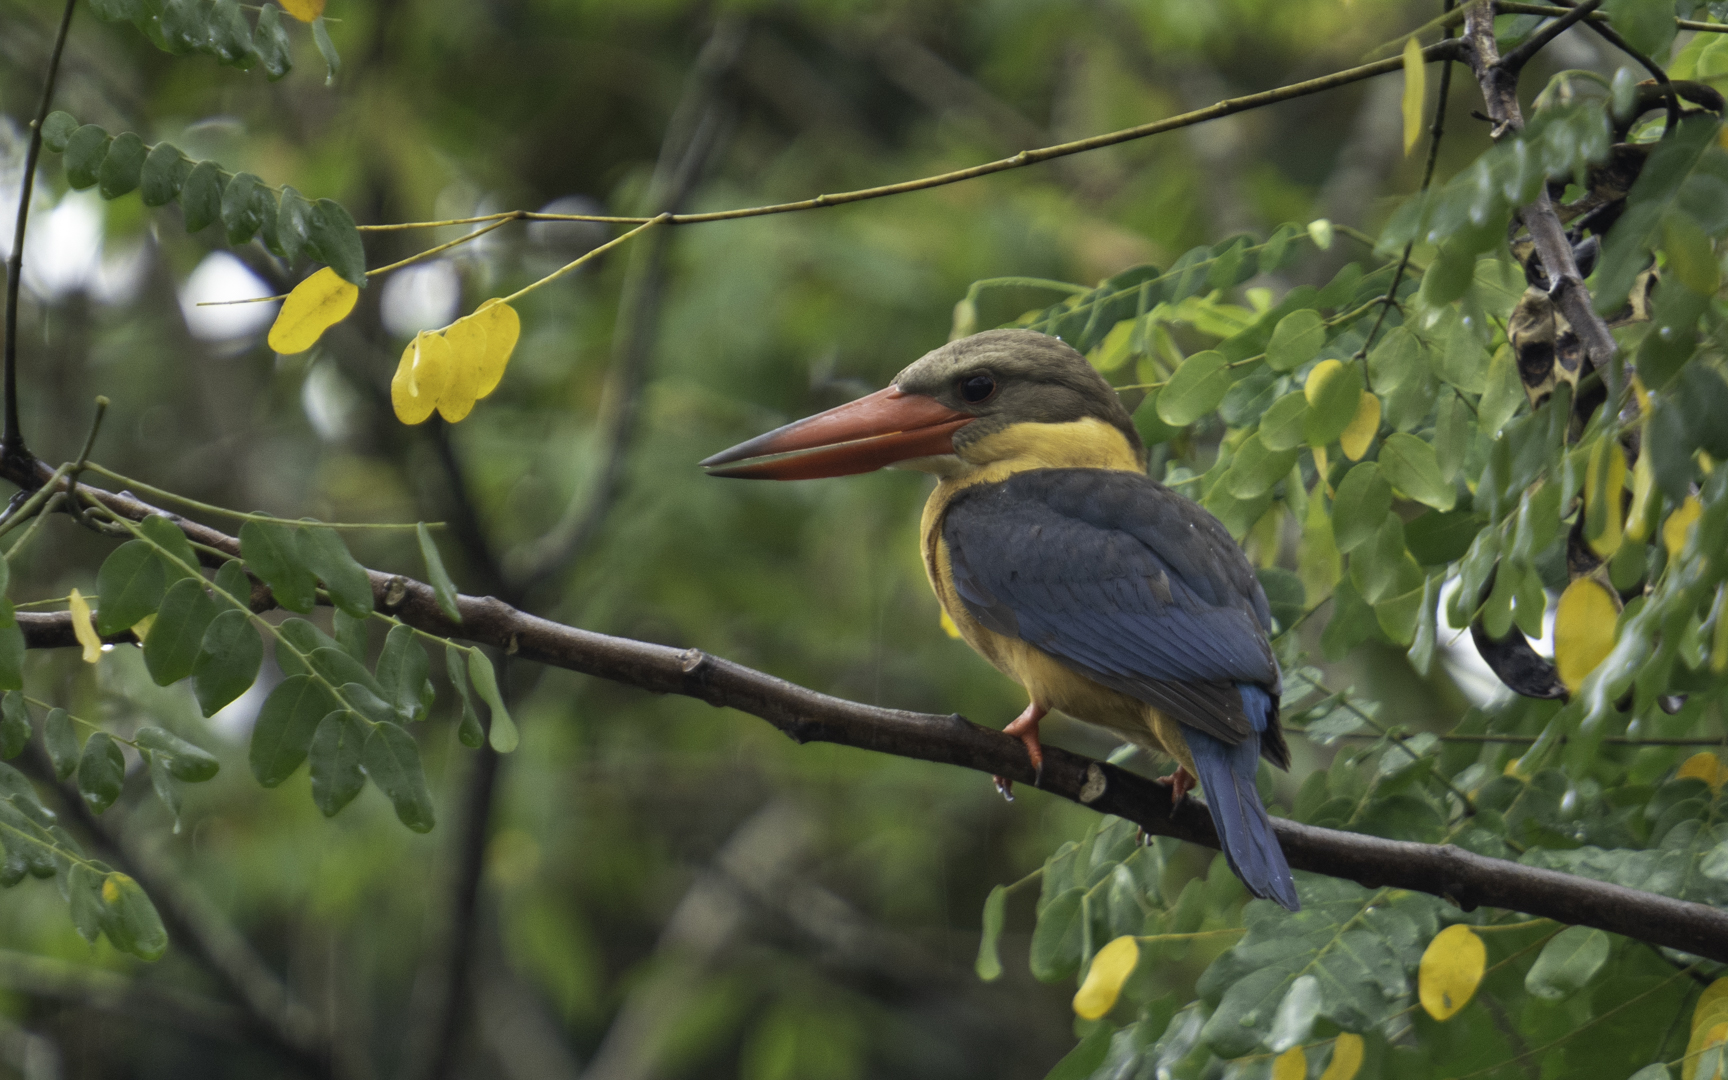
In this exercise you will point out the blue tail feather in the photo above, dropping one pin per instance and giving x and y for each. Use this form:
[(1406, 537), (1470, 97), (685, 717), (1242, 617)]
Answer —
[(1226, 774)]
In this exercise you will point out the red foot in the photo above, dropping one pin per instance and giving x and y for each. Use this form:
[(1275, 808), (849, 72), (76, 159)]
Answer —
[(1181, 783), (1025, 728)]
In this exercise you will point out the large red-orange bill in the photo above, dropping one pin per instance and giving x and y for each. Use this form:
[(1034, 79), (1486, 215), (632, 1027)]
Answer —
[(860, 436)]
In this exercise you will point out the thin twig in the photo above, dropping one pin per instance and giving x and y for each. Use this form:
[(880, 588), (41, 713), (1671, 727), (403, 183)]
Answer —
[(1434, 132), (12, 436)]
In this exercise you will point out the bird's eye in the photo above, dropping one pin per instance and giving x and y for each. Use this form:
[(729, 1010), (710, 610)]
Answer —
[(975, 388)]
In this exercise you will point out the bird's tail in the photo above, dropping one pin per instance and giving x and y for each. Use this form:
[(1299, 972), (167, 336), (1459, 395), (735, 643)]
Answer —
[(1227, 773)]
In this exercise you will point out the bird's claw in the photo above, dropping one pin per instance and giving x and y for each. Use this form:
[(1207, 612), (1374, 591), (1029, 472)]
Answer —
[(1180, 782), (1006, 787)]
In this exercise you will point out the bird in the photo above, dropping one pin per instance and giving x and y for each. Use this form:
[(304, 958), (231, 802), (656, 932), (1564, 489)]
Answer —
[(1103, 593)]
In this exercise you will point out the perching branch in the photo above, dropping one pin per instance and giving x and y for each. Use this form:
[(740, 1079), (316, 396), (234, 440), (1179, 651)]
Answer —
[(12, 434), (808, 716)]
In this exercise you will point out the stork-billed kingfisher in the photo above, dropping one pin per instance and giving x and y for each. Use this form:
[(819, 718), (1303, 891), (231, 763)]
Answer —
[(1102, 592)]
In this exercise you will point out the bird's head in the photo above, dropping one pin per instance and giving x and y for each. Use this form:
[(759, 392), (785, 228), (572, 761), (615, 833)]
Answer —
[(940, 413)]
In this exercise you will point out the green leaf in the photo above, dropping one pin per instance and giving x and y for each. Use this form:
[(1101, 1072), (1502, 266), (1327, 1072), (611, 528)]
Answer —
[(1673, 336), (504, 738), (132, 923), (1624, 253), (1281, 426), (323, 552), (231, 579), (1502, 393), (239, 216), (122, 165), (1396, 358), (1690, 259), (57, 129), (101, 771), (439, 578), (350, 634), (1084, 1061), (11, 647), (84, 896), (272, 551), (131, 586), (1568, 962), (1195, 390), (1435, 538), (402, 671), (1363, 500), (1285, 594), (1294, 1020), (177, 636), (61, 741), (1334, 393), (85, 150), (14, 724), (392, 759), (228, 660), (185, 761), (230, 37), (285, 231), (165, 173), (337, 750), (1409, 464), (270, 42), (201, 195), (1058, 937), (1463, 361), (331, 238), (327, 50), (179, 560), (470, 731), (989, 962), (1296, 340), (1255, 469), (1647, 25), (285, 727)]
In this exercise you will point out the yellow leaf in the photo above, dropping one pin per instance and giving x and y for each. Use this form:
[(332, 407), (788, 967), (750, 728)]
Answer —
[(1679, 526), (1450, 971), (1643, 483), (315, 305), (1415, 89), (1347, 1056), (111, 888), (467, 340), (948, 626), (1704, 1036), (1363, 427), (1712, 1001), (304, 10), (1604, 483), (1110, 969), (1707, 767), (1292, 1064), (502, 329), (421, 377), (83, 629), (141, 628), (1318, 377), (1583, 630)]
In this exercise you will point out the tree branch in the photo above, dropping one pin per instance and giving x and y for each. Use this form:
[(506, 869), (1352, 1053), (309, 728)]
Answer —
[(1499, 84), (808, 716), (12, 435)]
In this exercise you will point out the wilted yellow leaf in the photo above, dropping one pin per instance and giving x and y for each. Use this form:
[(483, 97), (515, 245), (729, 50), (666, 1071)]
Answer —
[(315, 305), (1604, 485), (1583, 630), (1679, 526), (1110, 969), (1347, 1054), (1707, 767), (1415, 89), (1704, 1036), (1451, 969), (467, 340), (1643, 484), (502, 329), (1292, 1064), (1363, 427), (83, 629), (304, 10), (141, 628), (421, 377), (948, 626), (1712, 1007)]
